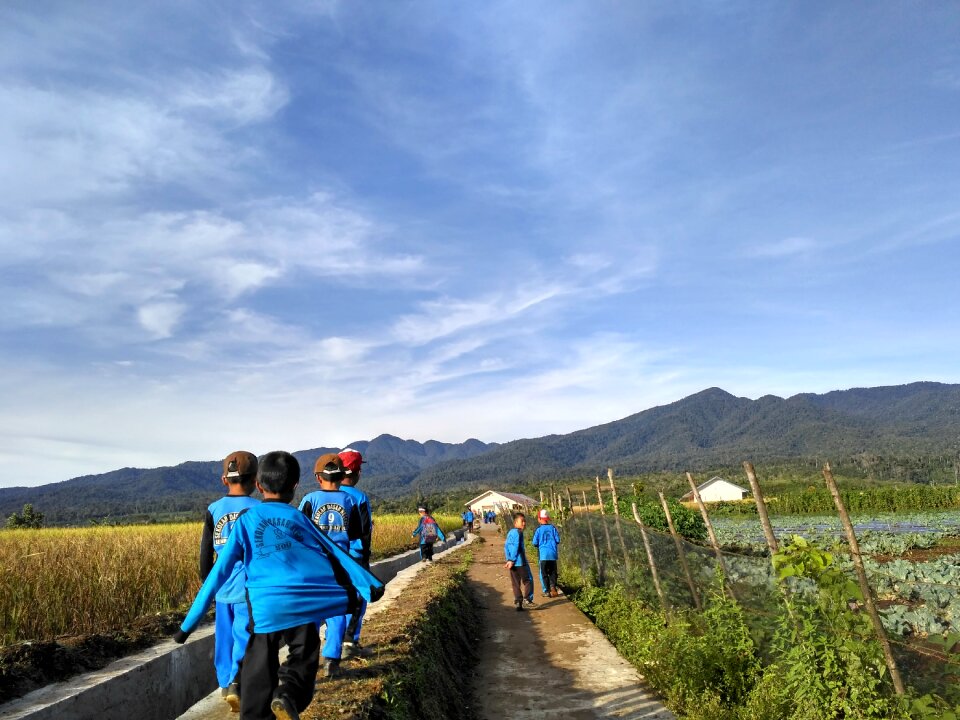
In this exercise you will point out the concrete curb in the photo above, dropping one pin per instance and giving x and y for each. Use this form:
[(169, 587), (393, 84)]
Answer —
[(162, 682)]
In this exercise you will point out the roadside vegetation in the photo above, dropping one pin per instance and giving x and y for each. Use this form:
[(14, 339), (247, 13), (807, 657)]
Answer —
[(74, 581)]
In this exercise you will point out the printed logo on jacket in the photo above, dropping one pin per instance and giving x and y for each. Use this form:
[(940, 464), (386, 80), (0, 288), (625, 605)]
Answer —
[(330, 517)]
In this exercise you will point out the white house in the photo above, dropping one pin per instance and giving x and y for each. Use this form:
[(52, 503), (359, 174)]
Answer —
[(500, 502), (716, 489)]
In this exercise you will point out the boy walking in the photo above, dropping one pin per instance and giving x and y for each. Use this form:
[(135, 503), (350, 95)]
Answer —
[(429, 532), (359, 549), (231, 633), (547, 540), (294, 575), (517, 563), (336, 515)]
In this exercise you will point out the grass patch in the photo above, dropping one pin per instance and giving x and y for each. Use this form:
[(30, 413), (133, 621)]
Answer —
[(420, 654)]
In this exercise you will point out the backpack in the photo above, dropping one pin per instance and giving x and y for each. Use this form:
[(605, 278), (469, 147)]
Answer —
[(429, 530)]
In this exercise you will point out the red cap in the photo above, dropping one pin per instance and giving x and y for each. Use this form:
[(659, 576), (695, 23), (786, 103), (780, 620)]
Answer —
[(543, 515), (351, 460)]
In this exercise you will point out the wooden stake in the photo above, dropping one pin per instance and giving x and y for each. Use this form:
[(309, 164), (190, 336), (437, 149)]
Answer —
[(606, 530), (593, 540), (569, 499), (710, 533), (681, 553), (653, 563), (862, 580), (600, 497), (761, 509)]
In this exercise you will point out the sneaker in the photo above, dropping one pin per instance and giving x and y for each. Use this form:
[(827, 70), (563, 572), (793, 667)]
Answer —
[(231, 695), (546, 594), (520, 605), (530, 601), (353, 648), (554, 592), (331, 667), (283, 708)]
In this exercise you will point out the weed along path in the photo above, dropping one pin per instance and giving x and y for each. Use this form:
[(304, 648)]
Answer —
[(549, 661)]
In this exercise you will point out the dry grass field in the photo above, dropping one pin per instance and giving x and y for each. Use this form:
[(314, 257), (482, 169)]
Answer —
[(76, 581)]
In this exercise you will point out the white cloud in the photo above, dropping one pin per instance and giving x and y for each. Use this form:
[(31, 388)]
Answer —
[(788, 247), (160, 318)]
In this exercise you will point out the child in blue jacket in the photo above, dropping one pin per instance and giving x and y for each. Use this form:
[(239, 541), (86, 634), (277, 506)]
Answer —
[(547, 540), (337, 515), (295, 574), (231, 633), (517, 564), (429, 532)]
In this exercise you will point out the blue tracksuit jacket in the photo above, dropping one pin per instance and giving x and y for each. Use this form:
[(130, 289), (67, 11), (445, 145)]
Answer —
[(546, 539), (335, 514), (295, 574), (216, 529), (513, 548), (419, 531), (360, 548)]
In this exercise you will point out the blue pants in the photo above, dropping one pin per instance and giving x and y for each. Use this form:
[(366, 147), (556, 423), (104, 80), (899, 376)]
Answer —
[(333, 643), (231, 635)]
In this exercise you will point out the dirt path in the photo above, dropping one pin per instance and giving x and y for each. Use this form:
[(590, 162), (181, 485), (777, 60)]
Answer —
[(549, 661)]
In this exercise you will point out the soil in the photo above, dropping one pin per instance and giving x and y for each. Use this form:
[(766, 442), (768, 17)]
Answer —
[(29, 665)]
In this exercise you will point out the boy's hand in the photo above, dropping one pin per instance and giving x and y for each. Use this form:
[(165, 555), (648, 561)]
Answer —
[(180, 637), (508, 564)]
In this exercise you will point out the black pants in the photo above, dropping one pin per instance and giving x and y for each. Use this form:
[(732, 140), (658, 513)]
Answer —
[(548, 574), (426, 551), (262, 675), (521, 576)]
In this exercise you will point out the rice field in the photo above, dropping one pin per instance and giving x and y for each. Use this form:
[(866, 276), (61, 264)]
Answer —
[(72, 581)]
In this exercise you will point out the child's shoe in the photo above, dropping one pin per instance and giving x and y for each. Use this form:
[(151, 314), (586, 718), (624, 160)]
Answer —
[(554, 592), (283, 708), (231, 695), (352, 648), (331, 668), (520, 604)]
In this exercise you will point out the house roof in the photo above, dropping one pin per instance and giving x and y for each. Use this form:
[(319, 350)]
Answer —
[(711, 481), (518, 498)]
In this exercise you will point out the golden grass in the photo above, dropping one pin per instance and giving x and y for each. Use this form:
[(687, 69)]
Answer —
[(74, 581)]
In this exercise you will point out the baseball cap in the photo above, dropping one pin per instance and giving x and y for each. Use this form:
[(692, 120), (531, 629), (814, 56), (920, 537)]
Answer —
[(239, 463), (352, 459), (544, 514), (329, 467)]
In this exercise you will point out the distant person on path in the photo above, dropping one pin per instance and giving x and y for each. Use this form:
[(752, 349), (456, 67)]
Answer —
[(429, 532), (517, 564), (468, 520), (336, 515), (295, 574), (547, 540), (359, 549), (231, 634)]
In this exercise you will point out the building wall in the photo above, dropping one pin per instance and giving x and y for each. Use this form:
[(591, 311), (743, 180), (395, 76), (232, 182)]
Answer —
[(721, 491)]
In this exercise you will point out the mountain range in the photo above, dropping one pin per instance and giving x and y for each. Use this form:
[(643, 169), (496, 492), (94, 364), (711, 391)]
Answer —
[(706, 430)]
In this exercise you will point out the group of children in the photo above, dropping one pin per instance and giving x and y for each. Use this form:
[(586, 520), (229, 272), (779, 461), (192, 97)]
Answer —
[(280, 574), (547, 541)]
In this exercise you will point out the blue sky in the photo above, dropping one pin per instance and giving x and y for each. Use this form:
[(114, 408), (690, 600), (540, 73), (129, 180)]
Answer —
[(293, 224)]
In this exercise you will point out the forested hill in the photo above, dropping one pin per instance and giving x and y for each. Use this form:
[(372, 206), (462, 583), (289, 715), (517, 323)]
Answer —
[(190, 486), (707, 430), (714, 428)]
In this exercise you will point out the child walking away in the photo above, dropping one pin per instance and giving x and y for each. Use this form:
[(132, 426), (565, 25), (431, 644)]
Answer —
[(429, 533), (336, 515), (231, 633), (359, 549), (547, 539), (295, 574), (517, 563)]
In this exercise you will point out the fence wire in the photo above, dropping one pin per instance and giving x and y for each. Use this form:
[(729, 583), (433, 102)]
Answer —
[(922, 617)]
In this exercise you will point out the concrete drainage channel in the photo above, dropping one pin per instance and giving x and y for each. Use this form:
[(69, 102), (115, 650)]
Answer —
[(168, 680)]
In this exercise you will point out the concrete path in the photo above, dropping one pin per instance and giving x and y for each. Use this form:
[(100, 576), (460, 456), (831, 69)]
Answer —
[(549, 661)]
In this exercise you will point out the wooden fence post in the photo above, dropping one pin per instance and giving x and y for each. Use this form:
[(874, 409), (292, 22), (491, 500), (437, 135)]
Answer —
[(653, 563), (711, 534), (569, 500), (862, 579), (593, 540), (616, 521), (681, 553), (603, 521)]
